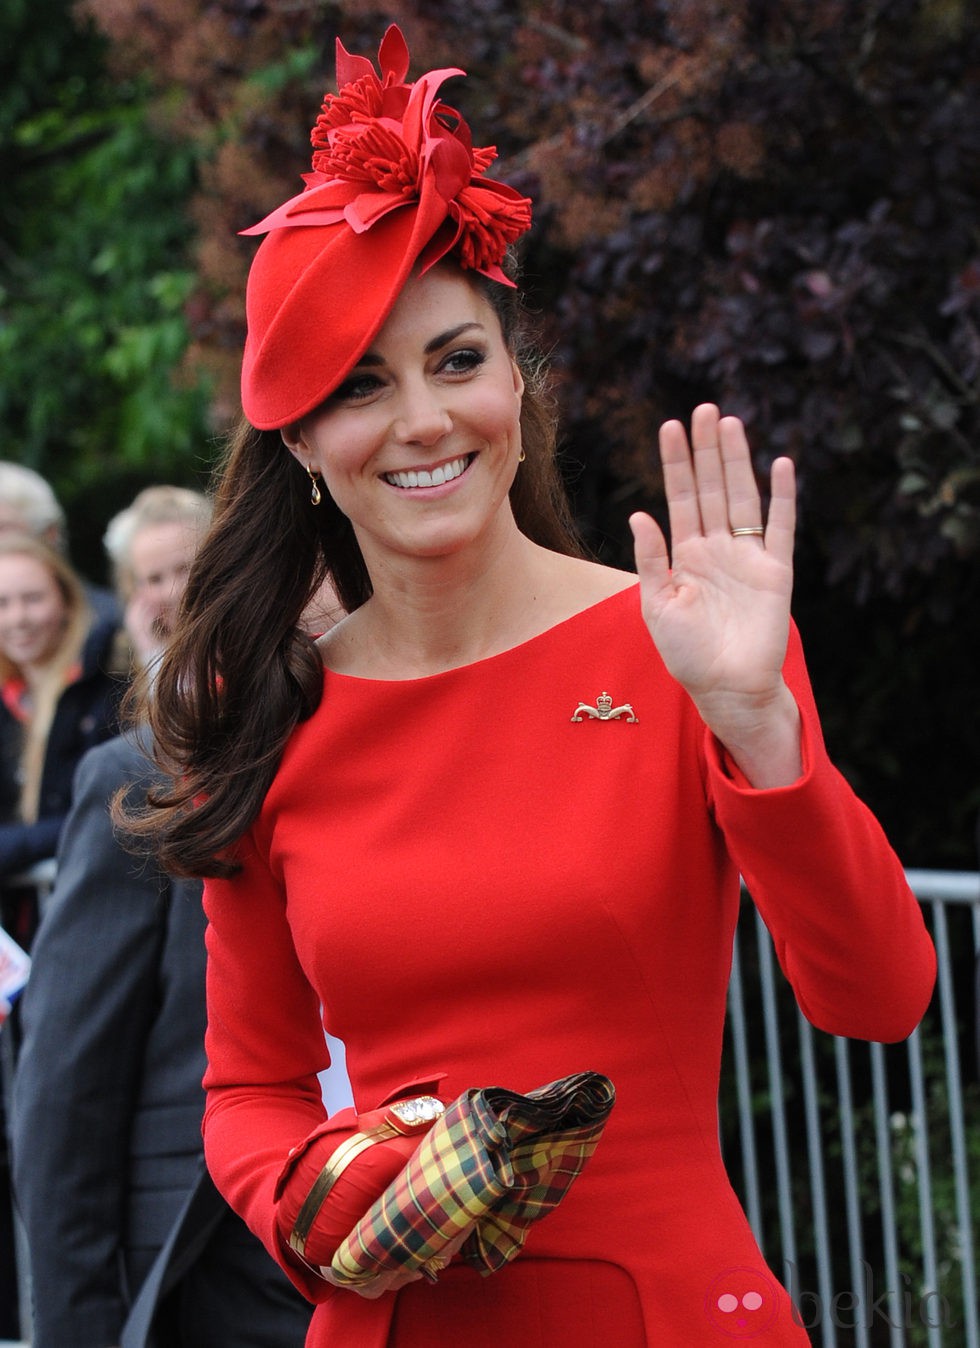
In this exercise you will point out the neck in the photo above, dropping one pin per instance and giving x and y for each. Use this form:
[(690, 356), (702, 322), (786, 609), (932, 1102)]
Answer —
[(34, 675), (434, 614)]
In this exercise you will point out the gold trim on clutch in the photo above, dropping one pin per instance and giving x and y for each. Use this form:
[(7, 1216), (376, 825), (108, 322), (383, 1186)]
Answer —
[(403, 1118)]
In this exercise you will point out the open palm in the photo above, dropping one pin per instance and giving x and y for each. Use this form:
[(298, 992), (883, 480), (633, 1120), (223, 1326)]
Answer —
[(717, 605)]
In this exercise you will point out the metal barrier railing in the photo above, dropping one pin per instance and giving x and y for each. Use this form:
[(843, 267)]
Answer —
[(859, 1164)]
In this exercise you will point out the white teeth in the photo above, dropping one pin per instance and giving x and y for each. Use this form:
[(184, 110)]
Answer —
[(423, 478)]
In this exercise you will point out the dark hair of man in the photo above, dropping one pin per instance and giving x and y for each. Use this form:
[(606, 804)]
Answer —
[(239, 674)]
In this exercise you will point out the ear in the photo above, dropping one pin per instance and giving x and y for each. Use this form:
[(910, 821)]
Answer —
[(518, 379), (295, 441)]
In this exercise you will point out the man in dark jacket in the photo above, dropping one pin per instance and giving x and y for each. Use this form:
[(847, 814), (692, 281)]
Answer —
[(130, 1243)]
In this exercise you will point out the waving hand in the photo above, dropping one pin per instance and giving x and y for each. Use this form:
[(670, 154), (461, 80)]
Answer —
[(718, 605)]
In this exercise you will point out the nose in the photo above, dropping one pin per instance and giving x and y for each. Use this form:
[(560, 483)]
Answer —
[(421, 416)]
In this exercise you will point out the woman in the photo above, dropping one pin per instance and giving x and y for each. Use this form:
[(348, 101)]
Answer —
[(58, 695), (489, 828), (151, 545)]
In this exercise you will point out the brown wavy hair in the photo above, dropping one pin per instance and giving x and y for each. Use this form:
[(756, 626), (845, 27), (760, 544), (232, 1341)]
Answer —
[(240, 674)]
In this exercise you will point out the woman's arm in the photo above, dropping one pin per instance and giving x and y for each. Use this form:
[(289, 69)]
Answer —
[(265, 1046), (849, 933)]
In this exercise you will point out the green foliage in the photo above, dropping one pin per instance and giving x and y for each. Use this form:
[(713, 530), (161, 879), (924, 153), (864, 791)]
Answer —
[(94, 276), (45, 61)]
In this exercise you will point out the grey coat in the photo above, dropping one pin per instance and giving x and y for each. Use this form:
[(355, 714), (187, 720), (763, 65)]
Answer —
[(107, 1106)]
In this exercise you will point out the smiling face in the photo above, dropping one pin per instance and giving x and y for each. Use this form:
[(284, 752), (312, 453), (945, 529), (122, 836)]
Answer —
[(419, 445), (33, 611), (160, 557)]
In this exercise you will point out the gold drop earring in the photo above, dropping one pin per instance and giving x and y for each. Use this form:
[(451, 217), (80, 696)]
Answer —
[(316, 496)]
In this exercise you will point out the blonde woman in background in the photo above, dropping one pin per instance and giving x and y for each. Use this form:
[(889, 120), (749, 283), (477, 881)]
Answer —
[(28, 505), (58, 697)]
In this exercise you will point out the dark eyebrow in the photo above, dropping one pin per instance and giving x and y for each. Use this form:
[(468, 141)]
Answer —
[(371, 358), (445, 338)]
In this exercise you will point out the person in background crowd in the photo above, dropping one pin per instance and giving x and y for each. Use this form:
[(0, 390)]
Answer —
[(129, 1240), (489, 829), (28, 505), (151, 545), (59, 695)]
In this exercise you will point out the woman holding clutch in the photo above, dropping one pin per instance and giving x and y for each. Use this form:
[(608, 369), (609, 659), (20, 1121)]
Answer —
[(489, 829)]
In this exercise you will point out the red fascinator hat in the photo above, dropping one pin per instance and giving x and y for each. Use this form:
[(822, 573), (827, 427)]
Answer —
[(395, 182)]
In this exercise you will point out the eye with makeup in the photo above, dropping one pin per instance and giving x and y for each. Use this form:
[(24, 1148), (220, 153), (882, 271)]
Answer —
[(362, 384), (357, 387), (465, 360)]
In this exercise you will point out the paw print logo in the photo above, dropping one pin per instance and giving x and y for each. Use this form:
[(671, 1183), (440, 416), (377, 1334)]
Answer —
[(741, 1302)]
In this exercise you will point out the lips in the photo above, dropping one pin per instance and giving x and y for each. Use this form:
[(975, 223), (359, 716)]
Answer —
[(425, 477), (23, 645), (21, 638)]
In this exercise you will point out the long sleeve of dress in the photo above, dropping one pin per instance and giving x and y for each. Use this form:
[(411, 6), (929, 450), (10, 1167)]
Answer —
[(264, 1029), (848, 932)]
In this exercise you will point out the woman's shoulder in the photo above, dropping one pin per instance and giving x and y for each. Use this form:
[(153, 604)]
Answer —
[(573, 586), (590, 582)]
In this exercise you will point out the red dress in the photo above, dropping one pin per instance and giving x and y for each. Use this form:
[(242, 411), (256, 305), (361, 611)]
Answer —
[(469, 873)]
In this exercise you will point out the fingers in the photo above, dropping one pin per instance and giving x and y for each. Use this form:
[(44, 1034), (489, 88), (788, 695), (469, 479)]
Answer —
[(650, 548), (378, 1286), (711, 486), (699, 481), (696, 478), (680, 486), (709, 468), (743, 508), (781, 524)]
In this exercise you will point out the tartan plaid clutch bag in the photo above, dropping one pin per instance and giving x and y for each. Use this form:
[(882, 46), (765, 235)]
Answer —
[(369, 1151), (493, 1163)]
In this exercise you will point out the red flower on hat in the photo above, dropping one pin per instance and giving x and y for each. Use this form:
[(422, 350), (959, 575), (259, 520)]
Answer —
[(362, 95), (381, 144)]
